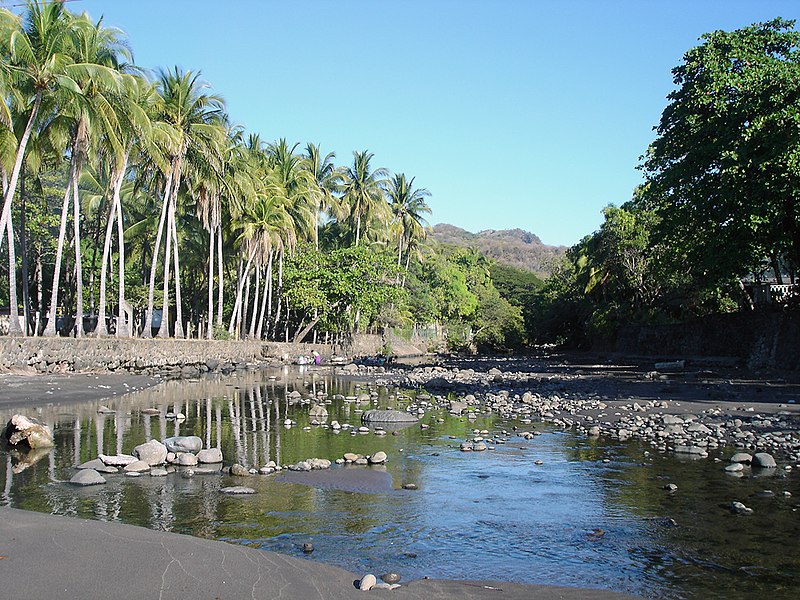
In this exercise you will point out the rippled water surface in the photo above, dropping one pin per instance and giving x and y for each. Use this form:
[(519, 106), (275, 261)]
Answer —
[(594, 512)]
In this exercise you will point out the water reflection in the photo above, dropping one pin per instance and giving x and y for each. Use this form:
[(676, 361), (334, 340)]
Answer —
[(593, 513)]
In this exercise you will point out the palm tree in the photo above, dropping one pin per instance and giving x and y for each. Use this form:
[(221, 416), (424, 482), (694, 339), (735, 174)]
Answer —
[(100, 53), (196, 118), (327, 183), (408, 205), (133, 116), (38, 66), (364, 192)]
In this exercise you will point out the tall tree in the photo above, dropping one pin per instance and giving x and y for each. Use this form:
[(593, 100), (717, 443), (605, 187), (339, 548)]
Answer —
[(99, 54), (408, 205), (723, 173), (196, 117), (364, 191), (38, 66)]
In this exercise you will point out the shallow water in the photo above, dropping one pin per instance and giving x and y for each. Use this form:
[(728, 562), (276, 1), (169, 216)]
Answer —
[(593, 514)]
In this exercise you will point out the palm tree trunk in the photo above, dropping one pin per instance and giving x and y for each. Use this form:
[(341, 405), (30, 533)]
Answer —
[(13, 307), (254, 316), (123, 326), (39, 294), (358, 228), (23, 243), (8, 191), (179, 333), (237, 304), (211, 238), (163, 330), (266, 296), (101, 330), (278, 293), (220, 276), (76, 225), (241, 318), (50, 329), (408, 260), (148, 317)]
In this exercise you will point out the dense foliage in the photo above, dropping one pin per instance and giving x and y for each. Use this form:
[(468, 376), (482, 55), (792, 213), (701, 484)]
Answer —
[(720, 206)]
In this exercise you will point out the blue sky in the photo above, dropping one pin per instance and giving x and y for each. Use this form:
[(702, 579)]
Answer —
[(526, 114)]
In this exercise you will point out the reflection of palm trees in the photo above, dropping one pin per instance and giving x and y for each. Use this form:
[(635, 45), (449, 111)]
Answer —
[(76, 442)]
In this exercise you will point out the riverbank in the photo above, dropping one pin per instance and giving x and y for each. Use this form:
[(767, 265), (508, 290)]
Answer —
[(174, 357), (568, 391), (46, 556)]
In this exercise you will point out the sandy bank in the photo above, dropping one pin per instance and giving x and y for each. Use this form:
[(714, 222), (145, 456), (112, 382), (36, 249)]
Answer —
[(45, 556)]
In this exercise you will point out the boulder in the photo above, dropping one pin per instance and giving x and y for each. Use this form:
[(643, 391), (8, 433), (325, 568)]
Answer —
[(237, 490), (138, 466), (238, 470), (367, 582), (378, 458), (764, 461), (180, 443), (152, 452), (210, 455), (117, 460), (185, 459), (387, 416), (742, 457), (457, 407), (27, 431), (87, 477)]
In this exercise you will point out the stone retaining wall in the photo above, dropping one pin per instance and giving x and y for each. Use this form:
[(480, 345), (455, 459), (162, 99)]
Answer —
[(61, 354)]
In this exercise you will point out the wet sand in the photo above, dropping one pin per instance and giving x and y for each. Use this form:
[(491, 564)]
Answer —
[(46, 556)]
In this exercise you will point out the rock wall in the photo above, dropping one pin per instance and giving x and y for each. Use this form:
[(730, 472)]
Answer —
[(760, 340), (85, 354), (61, 354)]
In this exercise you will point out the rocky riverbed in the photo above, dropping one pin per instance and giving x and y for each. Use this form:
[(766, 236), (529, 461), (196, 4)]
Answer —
[(679, 408)]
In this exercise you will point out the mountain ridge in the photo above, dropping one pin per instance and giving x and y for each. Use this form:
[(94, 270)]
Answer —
[(514, 247)]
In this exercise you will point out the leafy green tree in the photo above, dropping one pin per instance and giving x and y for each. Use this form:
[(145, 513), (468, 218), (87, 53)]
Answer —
[(334, 287), (724, 172)]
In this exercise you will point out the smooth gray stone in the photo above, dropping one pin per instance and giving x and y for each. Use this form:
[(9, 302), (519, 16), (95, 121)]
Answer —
[(136, 467), (764, 461), (387, 416), (87, 477), (117, 460), (95, 464), (210, 455), (742, 457), (181, 443), (152, 452), (185, 459)]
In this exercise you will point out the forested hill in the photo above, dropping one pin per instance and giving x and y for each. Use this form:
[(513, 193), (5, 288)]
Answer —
[(514, 247)]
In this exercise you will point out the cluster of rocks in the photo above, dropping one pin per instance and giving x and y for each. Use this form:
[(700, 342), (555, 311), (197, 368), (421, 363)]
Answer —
[(389, 581), (309, 464), (158, 459), (569, 402)]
